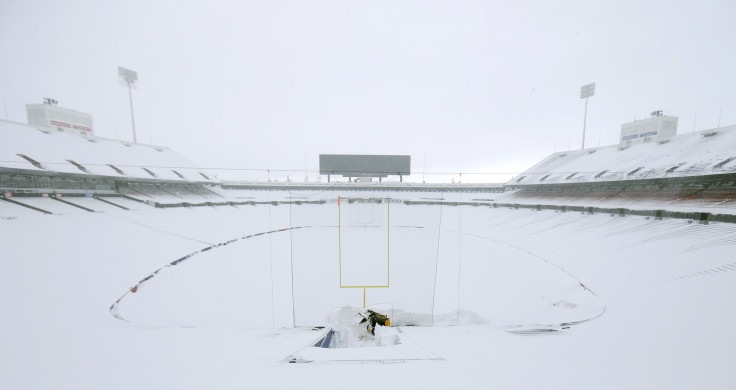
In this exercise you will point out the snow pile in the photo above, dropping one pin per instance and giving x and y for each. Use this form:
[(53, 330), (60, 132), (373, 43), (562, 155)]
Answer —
[(348, 338), (347, 329)]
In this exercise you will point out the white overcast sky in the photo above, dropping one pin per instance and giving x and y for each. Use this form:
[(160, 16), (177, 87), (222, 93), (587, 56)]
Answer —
[(461, 86)]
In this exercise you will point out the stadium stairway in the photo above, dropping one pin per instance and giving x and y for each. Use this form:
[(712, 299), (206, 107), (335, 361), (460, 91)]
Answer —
[(110, 203), (71, 203), (25, 205)]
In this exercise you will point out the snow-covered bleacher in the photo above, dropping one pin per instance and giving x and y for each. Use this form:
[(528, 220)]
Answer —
[(692, 172), (33, 151), (709, 152)]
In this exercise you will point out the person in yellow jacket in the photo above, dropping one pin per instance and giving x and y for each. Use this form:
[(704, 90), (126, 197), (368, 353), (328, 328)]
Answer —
[(373, 318)]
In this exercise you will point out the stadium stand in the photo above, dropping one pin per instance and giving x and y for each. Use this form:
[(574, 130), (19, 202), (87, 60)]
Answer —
[(709, 152), (37, 163), (694, 171)]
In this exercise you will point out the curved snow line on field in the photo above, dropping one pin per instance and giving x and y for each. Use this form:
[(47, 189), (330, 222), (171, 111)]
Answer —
[(548, 262), (114, 310), (160, 230), (534, 255), (114, 307), (549, 328)]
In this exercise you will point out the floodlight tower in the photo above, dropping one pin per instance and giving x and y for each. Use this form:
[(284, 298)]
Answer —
[(128, 79), (586, 91)]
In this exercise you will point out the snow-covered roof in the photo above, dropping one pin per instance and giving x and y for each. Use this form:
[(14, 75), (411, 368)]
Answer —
[(28, 148), (700, 153)]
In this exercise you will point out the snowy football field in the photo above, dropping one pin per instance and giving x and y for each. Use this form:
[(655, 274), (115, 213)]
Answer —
[(649, 301)]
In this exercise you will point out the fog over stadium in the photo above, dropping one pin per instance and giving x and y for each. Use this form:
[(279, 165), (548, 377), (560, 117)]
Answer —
[(461, 86)]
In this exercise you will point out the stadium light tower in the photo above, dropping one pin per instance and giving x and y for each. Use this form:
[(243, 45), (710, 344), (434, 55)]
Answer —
[(128, 79), (586, 91)]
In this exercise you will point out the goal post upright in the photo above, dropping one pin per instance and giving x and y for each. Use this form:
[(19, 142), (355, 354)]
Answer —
[(339, 238), (388, 241), (364, 286)]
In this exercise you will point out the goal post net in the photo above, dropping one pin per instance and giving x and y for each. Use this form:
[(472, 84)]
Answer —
[(363, 242)]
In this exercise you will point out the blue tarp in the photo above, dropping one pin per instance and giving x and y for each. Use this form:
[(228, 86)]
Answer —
[(325, 342)]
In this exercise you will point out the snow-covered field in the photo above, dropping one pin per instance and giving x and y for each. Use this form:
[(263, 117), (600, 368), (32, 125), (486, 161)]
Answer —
[(653, 299)]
